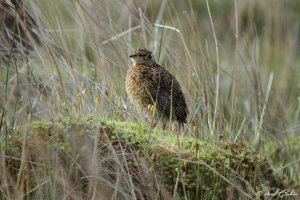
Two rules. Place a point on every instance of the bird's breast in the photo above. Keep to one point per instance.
(140, 84)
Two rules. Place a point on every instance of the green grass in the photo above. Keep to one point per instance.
(241, 83)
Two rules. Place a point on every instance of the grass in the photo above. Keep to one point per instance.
(237, 63)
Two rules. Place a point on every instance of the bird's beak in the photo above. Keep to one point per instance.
(132, 55)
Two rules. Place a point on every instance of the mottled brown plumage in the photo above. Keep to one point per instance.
(150, 85)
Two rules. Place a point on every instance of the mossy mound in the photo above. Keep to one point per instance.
(89, 157)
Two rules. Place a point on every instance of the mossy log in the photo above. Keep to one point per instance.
(89, 157)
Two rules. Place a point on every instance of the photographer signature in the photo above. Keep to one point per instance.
(277, 192)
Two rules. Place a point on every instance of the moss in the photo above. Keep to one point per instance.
(200, 168)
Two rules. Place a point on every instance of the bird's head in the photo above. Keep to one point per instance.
(142, 56)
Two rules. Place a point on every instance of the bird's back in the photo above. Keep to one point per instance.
(156, 86)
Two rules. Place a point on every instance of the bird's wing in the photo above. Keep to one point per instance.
(170, 95)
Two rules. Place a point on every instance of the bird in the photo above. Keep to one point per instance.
(155, 91)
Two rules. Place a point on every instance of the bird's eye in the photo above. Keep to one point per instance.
(148, 57)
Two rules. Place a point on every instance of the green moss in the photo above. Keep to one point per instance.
(200, 168)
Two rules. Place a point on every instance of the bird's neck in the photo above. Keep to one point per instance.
(147, 64)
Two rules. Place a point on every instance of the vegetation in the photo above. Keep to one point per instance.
(69, 131)
(83, 149)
